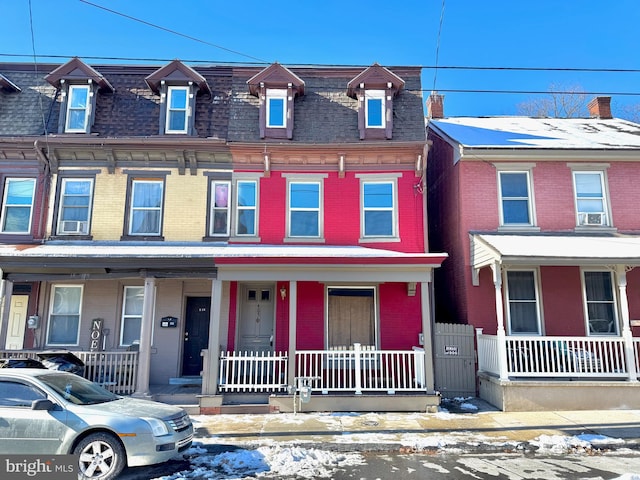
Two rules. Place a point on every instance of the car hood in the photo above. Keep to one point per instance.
(133, 407)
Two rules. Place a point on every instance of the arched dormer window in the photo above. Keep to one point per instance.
(276, 87)
(178, 86)
(78, 84)
(375, 88)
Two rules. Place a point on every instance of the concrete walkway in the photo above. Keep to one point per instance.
(472, 425)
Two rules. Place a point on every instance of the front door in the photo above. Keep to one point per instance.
(196, 334)
(255, 328)
(17, 322)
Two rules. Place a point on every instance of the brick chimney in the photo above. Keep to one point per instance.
(435, 106)
(600, 107)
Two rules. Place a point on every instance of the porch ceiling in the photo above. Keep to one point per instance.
(559, 250)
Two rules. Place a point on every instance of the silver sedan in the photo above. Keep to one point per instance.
(52, 412)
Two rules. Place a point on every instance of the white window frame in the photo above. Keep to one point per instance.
(508, 301)
(54, 287)
(243, 208)
(214, 208)
(586, 302)
(529, 198)
(87, 109)
(126, 316)
(133, 208)
(306, 179)
(6, 206)
(186, 110)
(379, 179)
(62, 207)
(276, 94)
(375, 95)
(580, 216)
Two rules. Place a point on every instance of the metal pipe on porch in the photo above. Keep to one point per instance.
(146, 329)
(293, 320)
(500, 334)
(627, 336)
(211, 364)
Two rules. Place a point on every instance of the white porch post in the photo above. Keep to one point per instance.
(627, 336)
(211, 365)
(501, 334)
(425, 299)
(293, 320)
(146, 329)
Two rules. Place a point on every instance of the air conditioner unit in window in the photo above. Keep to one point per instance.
(73, 226)
(592, 218)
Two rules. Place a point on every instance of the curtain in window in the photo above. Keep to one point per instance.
(147, 200)
(64, 320)
(523, 307)
(132, 317)
(600, 302)
(75, 201)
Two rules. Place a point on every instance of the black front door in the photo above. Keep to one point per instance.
(196, 334)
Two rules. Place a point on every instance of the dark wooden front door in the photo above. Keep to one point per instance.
(196, 334)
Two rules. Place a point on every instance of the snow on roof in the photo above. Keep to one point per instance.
(544, 133)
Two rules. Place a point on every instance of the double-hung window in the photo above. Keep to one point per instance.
(374, 108)
(378, 209)
(78, 108)
(75, 206)
(17, 205)
(64, 316)
(131, 315)
(220, 208)
(522, 301)
(305, 209)
(515, 198)
(246, 207)
(276, 108)
(177, 110)
(146, 207)
(591, 205)
(600, 303)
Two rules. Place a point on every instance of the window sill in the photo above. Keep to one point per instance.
(142, 238)
(222, 238)
(71, 237)
(379, 240)
(518, 228)
(303, 240)
(247, 239)
(595, 229)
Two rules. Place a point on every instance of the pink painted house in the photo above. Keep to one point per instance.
(539, 219)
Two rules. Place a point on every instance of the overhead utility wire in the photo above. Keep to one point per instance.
(170, 31)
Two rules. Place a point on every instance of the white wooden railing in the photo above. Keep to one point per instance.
(575, 357)
(253, 371)
(116, 371)
(359, 370)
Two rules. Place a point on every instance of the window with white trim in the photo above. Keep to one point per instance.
(220, 208)
(304, 209)
(276, 108)
(75, 206)
(78, 105)
(64, 315)
(600, 303)
(379, 209)
(515, 198)
(523, 312)
(145, 216)
(374, 108)
(131, 322)
(246, 207)
(177, 110)
(591, 202)
(17, 205)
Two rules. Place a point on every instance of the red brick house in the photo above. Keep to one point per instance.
(538, 217)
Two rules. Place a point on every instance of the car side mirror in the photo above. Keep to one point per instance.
(42, 404)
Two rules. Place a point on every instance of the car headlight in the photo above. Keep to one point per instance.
(158, 427)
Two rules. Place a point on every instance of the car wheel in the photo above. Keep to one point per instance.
(101, 456)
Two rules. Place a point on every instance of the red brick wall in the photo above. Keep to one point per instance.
(400, 317)
(562, 317)
(310, 327)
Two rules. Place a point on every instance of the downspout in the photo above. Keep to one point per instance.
(44, 159)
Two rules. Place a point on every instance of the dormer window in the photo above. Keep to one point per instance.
(276, 88)
(78, 84)
(178, 85)
(375, 89)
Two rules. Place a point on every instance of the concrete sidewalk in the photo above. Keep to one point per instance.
(476, 426)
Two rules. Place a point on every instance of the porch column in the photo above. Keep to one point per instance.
(144, 351)
(627, 336)
(211, 365)
(427, 331)
(5, 285)
(293, 320)
(501, 334)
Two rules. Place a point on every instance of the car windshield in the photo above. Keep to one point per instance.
(76, 389)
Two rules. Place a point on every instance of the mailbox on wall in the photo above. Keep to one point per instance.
(168, 322)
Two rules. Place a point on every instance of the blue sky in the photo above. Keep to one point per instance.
(490, 33)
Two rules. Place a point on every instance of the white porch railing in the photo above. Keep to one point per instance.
(362, 370)
(253, 371)
(575, 357)
(116, 371)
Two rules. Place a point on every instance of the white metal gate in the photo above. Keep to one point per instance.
(455, 360)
